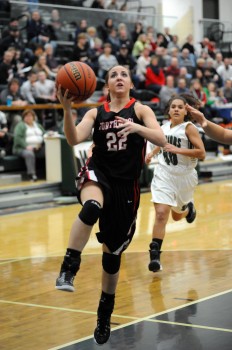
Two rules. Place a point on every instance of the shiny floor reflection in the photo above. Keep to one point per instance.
(200, 326)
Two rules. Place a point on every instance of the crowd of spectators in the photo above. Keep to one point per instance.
(157, 61)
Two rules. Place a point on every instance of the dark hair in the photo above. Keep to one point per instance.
(187, 99)
(107, 77)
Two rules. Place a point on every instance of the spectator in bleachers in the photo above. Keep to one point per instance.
(138, 29)
(27, 88)
(112, 5)
(227, 90)
(218, 61)
(14, 39)
(6, 140)
(12, 92)
(124, 58)
(160, 40)
(173, 69)
(215, 98)
(211, 95)
(173, 44)
(105, 29)
(189, 45)
(151, 41)
(142, 62)
(19, 63)
(45, 90)
(208, 46)
(200, 76)
(160, 52)
(106, 60)
(225, 70)
(51, 60)
(94, 54)
(80, 52)
(197, 91)
(124, 38)
(182, 86)
(29, 142)
(166, 92)
(124, 7)
(139, 45)
(184, 74)
(55, 26)
(211, 74)
(41, 65)
(37, 30)
(98, 4)
(167, 37)
(92, 35)
(81, 28)
(6, 67)
(187, 60)
(114, 41)
(155, 77)
(6, 30)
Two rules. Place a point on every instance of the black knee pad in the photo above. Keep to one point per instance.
(90, 212)
(111, 263)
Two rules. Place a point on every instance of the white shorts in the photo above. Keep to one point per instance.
(174, 190)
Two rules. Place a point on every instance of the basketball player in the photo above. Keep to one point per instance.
(214, 131)
(175, 177)
(108, 185)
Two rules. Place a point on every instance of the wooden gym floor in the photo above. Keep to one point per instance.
(186, 306)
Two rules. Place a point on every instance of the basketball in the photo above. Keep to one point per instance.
(78, 78)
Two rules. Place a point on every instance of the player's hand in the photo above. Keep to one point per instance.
(196, 115)
(148, 158)
(171, 148)
(127, 127)
(63, 98)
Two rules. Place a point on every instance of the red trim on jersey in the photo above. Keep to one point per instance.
(136, 194)
(107, 104)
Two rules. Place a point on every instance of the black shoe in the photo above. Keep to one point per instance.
(154, 264)
(191, 214)
(102, 331)
(65, 281)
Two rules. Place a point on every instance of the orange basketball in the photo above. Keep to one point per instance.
(78, 78)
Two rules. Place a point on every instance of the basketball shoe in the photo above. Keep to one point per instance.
(102, 331)
(192, 213)
(65, 281)
(154, 264)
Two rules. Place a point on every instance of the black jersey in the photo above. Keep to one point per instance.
(117, 157)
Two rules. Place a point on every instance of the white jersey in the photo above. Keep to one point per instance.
(176, 163)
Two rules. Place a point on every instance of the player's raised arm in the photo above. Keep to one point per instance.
(214, 131)
(79, 133)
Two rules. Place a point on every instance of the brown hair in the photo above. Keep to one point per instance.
(27, 111)
(107, 77)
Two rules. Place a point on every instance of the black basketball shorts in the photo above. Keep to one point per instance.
(117, 221)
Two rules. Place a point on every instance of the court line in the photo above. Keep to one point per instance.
(13, 259)
(192, 325)
(157, 321)
(135, 319)
(60, 308)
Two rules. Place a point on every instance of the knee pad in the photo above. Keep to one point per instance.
(90, 212)
(111, 263)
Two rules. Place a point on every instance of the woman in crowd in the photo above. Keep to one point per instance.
(29, 142)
